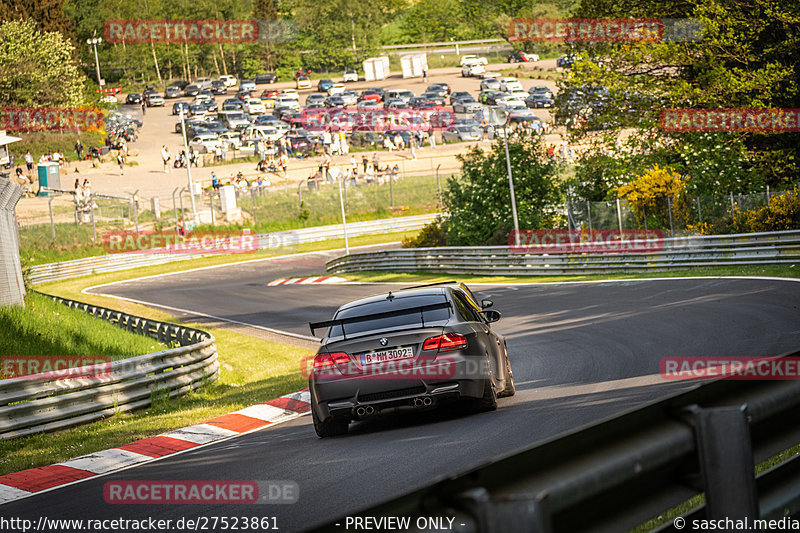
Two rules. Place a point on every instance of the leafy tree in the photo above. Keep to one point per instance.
(431, 21)
(747, 56)
(47, 14)
(37, 68)
(479, 202)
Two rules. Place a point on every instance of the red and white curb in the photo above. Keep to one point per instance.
(311, 279)
(25, 483)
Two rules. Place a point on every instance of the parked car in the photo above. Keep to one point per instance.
(247, 85)
(181, 84)
(215, 127)
(177, 106)
(207, 142)
(323, 84)
(303, 82)
(469, 70)
(459, 95)
(234, 120)
(233, 104)
(267, 77)
(230, 81)
(439, 333)
(315, 98)
(522, 57)
(254, 106)
(509, 84)
(232, 138)
(467, 106)
(173, 91)
(191, 90)
(462, 133)
(537, 100)
(349, 75)
(133, 98)
(155, 100)
(403, 94)
(471, 58)
(219, 87)
(336, 88)
(541, 89)
(490, 84)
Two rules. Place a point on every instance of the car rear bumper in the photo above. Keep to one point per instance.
(358, 397)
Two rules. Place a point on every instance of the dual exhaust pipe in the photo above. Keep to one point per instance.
(368, 410)
(423, 402)
(364, 412)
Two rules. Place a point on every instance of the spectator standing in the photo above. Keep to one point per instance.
(365, 162)
(165, 157)
(29, 162)
(214, 181)
(375, 162)
(425, 74)
(79, 149)
(326, 141)
(121, 162)
(144, 107)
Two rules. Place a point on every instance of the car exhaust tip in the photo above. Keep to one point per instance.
(361, 411)
(369, 410)
(417, 402)
(427, 401)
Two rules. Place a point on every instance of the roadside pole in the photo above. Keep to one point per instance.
(188, 167)
(344, 220)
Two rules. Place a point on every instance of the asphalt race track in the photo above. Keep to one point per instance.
(580, 352)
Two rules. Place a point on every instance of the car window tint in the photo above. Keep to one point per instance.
(436, 316)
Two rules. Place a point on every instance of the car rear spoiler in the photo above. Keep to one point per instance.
(351, 320)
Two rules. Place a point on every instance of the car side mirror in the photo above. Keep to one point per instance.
(491, 315)
(486, 304)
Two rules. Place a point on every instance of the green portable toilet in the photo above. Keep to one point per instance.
(48, 176)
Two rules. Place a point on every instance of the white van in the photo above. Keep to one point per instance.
(203, 83)
(472, 58)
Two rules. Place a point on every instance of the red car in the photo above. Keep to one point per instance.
(370, 94)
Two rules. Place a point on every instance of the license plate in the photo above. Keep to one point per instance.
(385, 356)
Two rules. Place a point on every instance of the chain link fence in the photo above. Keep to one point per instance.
(676, 215)
(12, 286)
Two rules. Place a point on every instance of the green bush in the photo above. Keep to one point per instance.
(432, 235)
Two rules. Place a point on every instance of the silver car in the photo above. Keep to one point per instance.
(462, 134)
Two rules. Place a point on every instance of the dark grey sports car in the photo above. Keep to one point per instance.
(409, 349)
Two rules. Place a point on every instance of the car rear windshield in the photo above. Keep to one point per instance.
(408, 320)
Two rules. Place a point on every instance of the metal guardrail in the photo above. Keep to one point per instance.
(47, 402)
(124, 261)
(621, 472)
(782, 247)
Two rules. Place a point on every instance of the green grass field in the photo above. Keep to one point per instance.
(45, 327)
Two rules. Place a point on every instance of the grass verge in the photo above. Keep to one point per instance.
(45, 327)
(252, 371)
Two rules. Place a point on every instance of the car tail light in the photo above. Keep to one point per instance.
(445, 343)
(324, 362)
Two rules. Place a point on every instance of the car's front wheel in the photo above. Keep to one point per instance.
(329, 428)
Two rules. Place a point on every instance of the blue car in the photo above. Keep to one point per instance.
(176, 108)
(324, 85)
